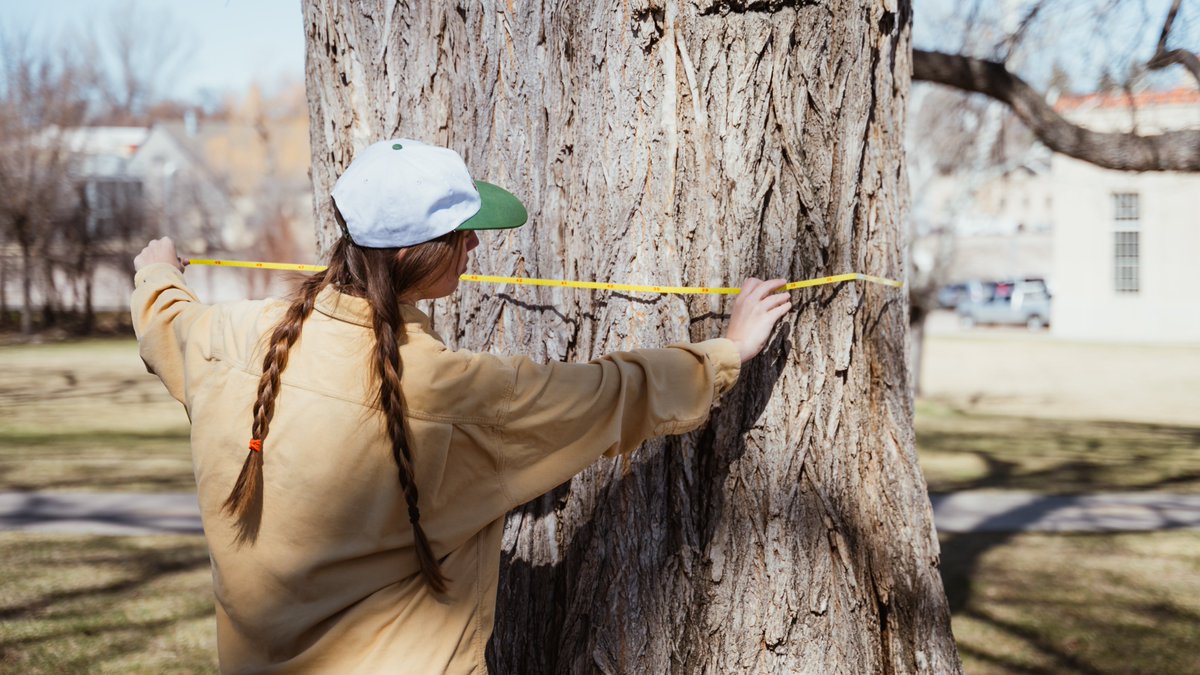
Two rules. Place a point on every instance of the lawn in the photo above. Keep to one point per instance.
(87, 416)
(961, 451)
(1086, 603)
(1029, 603)
(89, 604)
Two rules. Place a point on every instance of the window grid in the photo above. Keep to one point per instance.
(1126, 207)
(1126, 242)
(1127, 262)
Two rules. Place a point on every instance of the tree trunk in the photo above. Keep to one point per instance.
(26, 288)
(3, 283)
(88, 324)
(916, 347)
(682, 143)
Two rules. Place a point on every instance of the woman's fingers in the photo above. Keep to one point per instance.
(776, 312)
(766, 288)
(775, 299)
(158, 250)
(755, 312)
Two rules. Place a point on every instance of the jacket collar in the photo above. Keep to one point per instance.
(354, 310)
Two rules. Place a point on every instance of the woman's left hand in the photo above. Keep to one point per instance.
(159, 250)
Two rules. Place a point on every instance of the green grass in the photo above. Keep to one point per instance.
(87, 416)
(88, 604)
(1029, 603)
(1041, 603)
(960, 451)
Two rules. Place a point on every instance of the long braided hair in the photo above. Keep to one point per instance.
(382, 277)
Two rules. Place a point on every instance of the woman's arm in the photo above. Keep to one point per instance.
(167, 316)
(562, 417)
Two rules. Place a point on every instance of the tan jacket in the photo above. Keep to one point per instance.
(332, 583)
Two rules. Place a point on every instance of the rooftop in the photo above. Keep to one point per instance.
(1181, 96)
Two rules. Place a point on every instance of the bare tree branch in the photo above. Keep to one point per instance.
(1010, 42)
(1164, 57)
(1170, 151)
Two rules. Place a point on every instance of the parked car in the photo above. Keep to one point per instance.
(951, 296)
(1012, 303)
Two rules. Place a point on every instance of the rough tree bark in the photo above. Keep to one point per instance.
(682, 143)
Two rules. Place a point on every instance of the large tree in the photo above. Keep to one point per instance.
(682, 143)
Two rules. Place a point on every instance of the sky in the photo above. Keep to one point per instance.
(1086, 38)
(234, 42)
(239, 42)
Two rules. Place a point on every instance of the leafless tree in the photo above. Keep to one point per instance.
(950, 136)
(43, 93)
(992, 35)
(51, 88)
(105, 224)
(139, 49)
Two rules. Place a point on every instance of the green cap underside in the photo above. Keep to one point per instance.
(499, 210)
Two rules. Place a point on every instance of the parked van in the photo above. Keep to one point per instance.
(1024, 302)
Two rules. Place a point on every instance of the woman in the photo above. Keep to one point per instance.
(362, 530)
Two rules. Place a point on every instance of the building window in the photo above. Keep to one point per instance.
(114, 206)
(1127, 227)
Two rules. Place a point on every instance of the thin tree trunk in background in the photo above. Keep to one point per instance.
(52, 302)
(4, 262)
(88, 326)
(26, 290)
(682, 143)
(916, 348)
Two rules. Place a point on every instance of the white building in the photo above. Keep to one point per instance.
(1126, 244)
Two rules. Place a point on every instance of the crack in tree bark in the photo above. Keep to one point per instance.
(723, 7)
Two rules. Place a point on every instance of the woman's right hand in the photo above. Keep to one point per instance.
(755, 312)
(159, 250)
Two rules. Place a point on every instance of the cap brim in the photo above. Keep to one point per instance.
(499, 210)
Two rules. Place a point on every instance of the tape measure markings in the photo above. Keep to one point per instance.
(562, 283)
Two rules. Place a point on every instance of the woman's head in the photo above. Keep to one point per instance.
(400, 193)
(425, 271)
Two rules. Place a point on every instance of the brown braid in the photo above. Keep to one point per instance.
(245, 501)
(381, 276)
(389, 333)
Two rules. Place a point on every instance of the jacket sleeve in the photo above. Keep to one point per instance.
(170, 323)
(562, 417)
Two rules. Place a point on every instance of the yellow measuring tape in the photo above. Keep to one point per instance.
(562, 283)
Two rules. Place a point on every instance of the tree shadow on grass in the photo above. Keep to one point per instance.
(961, 563)
(1144, 638)
(94, 617)
(1071, 456)
(139, 567)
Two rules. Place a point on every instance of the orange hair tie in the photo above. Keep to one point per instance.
(256, 445)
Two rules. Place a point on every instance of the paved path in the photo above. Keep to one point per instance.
(177, 513)
(983, 511)
(100, 512)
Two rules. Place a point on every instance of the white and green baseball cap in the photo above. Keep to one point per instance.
(403, 192)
